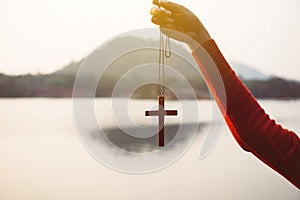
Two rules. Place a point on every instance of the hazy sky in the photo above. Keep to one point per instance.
(42, 36)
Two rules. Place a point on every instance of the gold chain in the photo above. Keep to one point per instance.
(164, 52)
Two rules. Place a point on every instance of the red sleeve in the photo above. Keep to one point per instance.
(253, 129)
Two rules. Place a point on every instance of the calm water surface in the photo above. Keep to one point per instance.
(42, 158)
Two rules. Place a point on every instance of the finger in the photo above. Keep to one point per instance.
(173, 7)
(156, 20)
(155, 2)
(159, 12)
(162, 21)
(165, 28)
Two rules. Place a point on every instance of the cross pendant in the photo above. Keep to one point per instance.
(161, 112)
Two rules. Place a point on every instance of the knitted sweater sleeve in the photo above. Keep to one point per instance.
(252, 128)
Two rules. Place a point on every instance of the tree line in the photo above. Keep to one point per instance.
(61, 85)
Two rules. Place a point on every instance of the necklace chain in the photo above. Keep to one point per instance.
(164, 52)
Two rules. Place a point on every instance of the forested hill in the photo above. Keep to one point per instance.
(60, 83)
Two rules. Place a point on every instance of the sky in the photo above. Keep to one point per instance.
(41, 36)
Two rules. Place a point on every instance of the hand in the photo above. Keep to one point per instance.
(179, 23)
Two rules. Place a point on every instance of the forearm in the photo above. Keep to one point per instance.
(249, 124)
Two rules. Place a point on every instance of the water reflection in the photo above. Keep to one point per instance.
(124, 141)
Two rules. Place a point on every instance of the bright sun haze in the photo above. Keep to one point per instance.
(43, 36)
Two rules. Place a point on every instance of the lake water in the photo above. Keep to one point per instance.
(43, 158)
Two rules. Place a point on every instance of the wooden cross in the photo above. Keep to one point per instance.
(161, 112)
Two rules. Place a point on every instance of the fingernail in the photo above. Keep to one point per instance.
(153, 10)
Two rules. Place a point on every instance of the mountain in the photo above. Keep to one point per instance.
(244, 71)
(248, 73)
